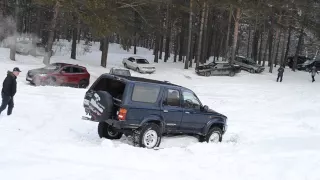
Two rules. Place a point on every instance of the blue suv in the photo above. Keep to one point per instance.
(147, 109)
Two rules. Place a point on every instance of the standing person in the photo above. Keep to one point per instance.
(313, 73)
(9, 89)
(280, 73)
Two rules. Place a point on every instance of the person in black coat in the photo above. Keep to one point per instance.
(280, 73)
(9, 89)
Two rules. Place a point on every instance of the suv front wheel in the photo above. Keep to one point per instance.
(150, 136)
(214, 136)
(107, 131)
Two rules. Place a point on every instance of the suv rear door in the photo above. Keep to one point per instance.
(171, 109)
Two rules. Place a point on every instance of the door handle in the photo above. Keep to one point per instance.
(165, 111)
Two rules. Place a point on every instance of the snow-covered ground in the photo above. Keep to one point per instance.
(273, 129)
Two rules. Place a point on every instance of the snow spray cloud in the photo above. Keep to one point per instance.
(7, 31)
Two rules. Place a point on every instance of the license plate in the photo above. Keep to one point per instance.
(29, 78)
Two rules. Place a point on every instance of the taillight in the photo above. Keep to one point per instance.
(122, 114)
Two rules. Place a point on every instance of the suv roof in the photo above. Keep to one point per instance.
(139, 79)
(66, 64)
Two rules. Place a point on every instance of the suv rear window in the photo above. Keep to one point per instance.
(145, 94)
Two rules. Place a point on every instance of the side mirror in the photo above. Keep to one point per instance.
(205, 108)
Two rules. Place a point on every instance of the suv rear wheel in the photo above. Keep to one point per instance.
(107, 131)
(150, 136)
(83, 84)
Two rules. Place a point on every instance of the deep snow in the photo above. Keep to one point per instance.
(273, 129)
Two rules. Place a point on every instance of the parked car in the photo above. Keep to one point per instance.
(147, 109)
(138, 64)
(306, 66)
(218, 69)
(120, 71)
(301, 60)
(248, 64)
(60, 74)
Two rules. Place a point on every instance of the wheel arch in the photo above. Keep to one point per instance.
(153, 119)
(218, 122)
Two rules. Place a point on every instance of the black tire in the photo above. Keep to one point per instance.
(208, 73)
(149, 129)
(108, 132)
(104, 99)
(251, 71)
(215, 130)
(83, 84)
(232, 73)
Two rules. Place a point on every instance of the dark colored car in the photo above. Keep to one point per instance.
(301, 60)
(248, 64)
(147, 109)
(119, 71)
(306, 66)
(218, 69)
(60, 74)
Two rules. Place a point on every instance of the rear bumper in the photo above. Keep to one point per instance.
(120, 125)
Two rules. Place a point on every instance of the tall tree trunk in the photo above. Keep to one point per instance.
(176, 47)
(275, 46)
(201, 34)
(13, 38)
(161, 47)
(181, 44)
(266, 50)
(235, 34)
(46, 59)
(248, 45)
(260, 48)
(276, 61)
(135, 32)
(283, 50)
(156, 48)
(205, 37)
(74, 39)
(226, 50)
(298, 50)
(270, 39)
(189, 55)
(104, 54)
(168, 33)
(74, 43)
(288, 46)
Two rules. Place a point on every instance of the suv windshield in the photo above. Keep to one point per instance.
(121, 72)
(142, 61)
(251, 61)
(53, 66)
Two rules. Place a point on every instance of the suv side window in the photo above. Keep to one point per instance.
(131, 59)
(172, 98)
(77, 70)
(145, 94)
(67, 69)
(190, 101)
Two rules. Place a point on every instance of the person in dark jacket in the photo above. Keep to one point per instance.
(313, 73)
(9, 89)
(280, 73)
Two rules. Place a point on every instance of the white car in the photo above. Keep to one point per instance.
(138, 64)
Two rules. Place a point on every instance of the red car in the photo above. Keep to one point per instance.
(60, 74)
